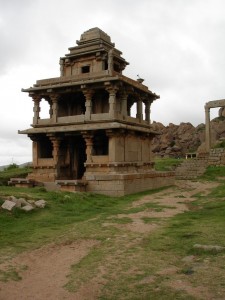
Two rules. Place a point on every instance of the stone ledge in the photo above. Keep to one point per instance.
(119, 164)
(108, 177)
(72, 182)
(21, 182)
(72, 185)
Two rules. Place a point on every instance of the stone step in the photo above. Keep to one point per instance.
(191, 169)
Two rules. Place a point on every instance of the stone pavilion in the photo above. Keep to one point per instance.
(91, 141)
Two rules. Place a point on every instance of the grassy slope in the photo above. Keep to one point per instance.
(13, 171)
(80, 216)
(167, 164)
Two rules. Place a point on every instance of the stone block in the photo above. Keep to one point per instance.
(12, 198)
(19, 202)
(27, 208)
(22, 201)
(8, 205)
(40, 203)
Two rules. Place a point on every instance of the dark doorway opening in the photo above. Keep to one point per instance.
(100, 143)
(76, 157)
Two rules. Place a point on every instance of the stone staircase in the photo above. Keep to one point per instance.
(191, 168)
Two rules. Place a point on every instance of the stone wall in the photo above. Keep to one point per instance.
(43, 174)
(124, 184)
(217, 157)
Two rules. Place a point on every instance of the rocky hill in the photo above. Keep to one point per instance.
(177, 140)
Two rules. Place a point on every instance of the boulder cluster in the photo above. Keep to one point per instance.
(177, 140)
(12, 202)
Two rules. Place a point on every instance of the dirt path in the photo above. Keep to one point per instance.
(44, 271)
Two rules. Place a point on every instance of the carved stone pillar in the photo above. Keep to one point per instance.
(54, 98)
(207, 129)
(116, 145)
(112, 100)
(147, 111)
(88, 93)
(54, 109)
(88, 137)
(55, 153)
(124, 103)
(36, 109)
(34, 139)
(110, 61)
(61, 63)
(50, 108)
(139, 114)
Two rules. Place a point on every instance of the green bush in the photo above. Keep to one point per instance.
(11, 167)
(220, 145)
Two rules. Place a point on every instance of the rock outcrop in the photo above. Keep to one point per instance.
(177, 140)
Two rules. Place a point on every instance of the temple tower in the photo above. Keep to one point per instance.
(90, 137)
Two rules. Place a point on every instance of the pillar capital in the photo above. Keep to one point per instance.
(33, 137)
(54, 97)
(35, 97)
(111, 89)
(88, 93)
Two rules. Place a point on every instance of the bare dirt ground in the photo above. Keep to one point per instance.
(44, 271)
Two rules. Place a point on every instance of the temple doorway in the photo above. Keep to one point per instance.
(77, 157)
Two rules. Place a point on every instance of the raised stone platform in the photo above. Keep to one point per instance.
(124, 184)
(21, 182)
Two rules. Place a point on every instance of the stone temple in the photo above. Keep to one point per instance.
(90, 140)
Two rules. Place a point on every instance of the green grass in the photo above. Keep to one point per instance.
(21, 230)
(167, 164)
(127, 263)
(213, 172)
(13, 171)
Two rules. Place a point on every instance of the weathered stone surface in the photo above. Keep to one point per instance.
(19, 202)
(31, 202)
(188, 259)
(11, 198)
(40, 203)
(177, 140)
(8, 205)
(23, 201)
(209, 247)
(27, 208)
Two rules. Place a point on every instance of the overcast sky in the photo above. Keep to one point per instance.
(177, 46)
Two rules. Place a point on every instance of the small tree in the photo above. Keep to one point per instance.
(11, 167)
